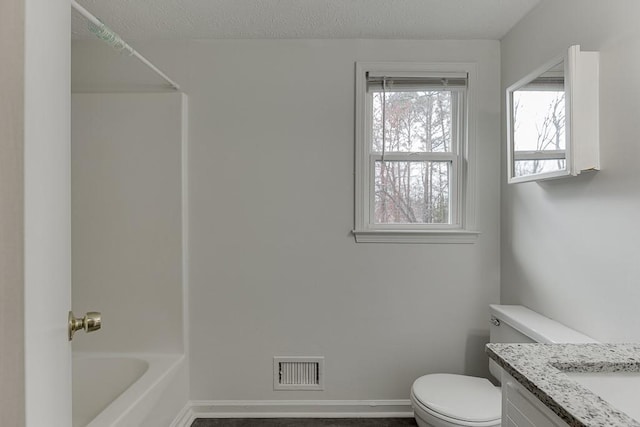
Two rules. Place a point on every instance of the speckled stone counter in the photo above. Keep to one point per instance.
(540, 369)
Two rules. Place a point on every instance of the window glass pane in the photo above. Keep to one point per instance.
(529, 167)
(412, 192)
(415, 122)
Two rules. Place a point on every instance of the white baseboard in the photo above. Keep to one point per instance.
(184, 418)
(292, 409)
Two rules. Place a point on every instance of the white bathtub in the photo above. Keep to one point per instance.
(112, 389)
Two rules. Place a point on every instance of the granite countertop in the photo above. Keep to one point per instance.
(541, 368)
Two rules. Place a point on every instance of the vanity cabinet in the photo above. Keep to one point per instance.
(520, 408)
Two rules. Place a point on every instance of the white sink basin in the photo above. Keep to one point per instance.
(620, 389)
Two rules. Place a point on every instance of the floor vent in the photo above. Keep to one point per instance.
(298, 373)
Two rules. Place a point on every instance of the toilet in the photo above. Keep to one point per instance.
(451, 400)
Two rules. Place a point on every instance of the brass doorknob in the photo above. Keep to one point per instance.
(92, 321)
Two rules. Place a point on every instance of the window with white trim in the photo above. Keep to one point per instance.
(412, 148)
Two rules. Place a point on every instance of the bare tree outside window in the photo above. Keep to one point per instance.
(544, 114)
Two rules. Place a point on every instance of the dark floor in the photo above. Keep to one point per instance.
(305, 422)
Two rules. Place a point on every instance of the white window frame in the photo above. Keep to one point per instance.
(461, 228)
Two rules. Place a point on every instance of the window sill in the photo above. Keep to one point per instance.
(416, 236)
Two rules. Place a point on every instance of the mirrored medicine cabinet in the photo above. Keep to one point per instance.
(552, 119)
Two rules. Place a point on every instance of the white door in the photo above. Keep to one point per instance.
(47, 213)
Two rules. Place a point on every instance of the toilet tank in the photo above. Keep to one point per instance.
(518, 324)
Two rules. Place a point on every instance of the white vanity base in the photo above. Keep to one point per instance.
(520, 408)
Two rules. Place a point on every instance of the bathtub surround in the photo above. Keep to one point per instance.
(128, 151)
(126, 219)
(542, 370)
(570, 247)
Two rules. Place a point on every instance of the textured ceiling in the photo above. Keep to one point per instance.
(240, 19)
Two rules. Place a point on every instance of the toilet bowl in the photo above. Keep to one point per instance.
(449, 400)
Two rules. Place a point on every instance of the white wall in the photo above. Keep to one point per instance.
(126, 220)
(274, 269)
(570, 247)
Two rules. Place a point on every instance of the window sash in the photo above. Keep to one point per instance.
(436, 156)
(457, 125)
(454, 191)
(540, 155)
(455, 184)
(457, 105)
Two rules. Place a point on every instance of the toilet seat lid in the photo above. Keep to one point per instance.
(460, 397)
